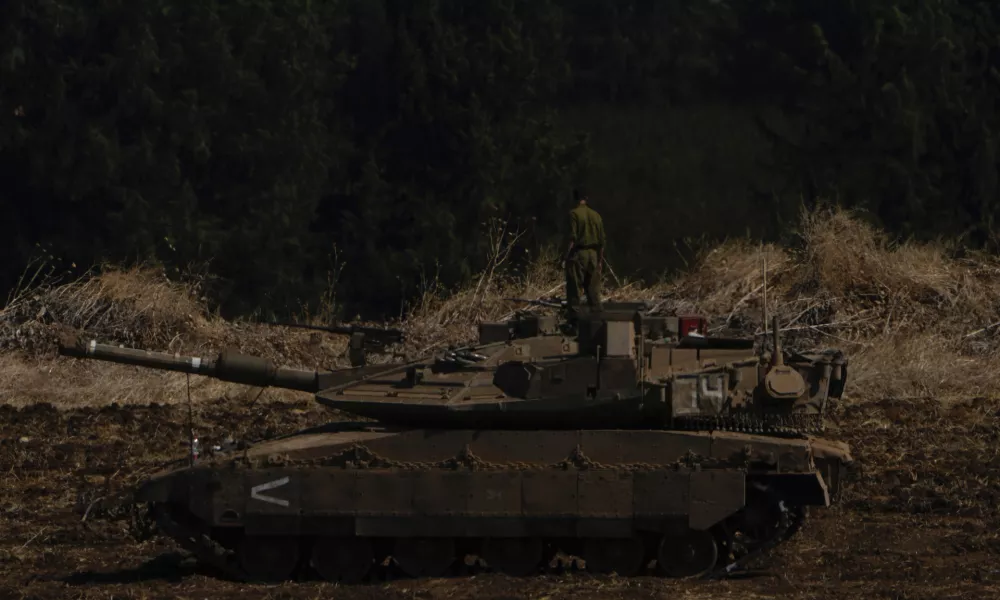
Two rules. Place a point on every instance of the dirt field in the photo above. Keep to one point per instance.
(891, 537)
(919, 518)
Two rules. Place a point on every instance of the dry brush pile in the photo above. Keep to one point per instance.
(919, 320)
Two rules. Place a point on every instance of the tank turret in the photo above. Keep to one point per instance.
(623, 368)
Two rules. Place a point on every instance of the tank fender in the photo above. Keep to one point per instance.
(802, 489)
(165, 486)
(830, 450)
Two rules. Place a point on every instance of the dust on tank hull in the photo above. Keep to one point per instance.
(689, 503)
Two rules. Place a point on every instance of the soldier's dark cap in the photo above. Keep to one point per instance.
(580, 194)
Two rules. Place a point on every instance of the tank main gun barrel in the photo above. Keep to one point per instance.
(227, 366)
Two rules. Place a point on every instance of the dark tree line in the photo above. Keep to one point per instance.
(276, 142)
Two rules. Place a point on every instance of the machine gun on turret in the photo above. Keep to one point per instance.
(363, 339)
(553, 302)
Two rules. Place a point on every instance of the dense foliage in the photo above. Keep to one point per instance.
(287, 146)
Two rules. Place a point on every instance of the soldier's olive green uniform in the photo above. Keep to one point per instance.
(586, 230)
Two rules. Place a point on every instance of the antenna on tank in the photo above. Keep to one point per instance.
(763, 274)
(193, 445)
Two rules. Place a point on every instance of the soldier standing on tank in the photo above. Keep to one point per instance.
(584, 256)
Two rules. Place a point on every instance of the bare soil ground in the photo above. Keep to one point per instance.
(919, 518)
(891, 536)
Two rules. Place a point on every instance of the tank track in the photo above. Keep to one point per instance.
(224, 560)
(210, 553)
(778, 425)
(790, 521)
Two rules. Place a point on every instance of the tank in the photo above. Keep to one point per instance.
(636, 443)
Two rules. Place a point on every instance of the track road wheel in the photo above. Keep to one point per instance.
(342, 559)
(690, 554)
(624, 556)
(268, 558)
(513, 556)
(424, 557)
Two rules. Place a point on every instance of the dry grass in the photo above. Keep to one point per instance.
(137, 307)
(917, 319)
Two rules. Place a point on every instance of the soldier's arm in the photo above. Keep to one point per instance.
(603, 239)
(574, 228)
